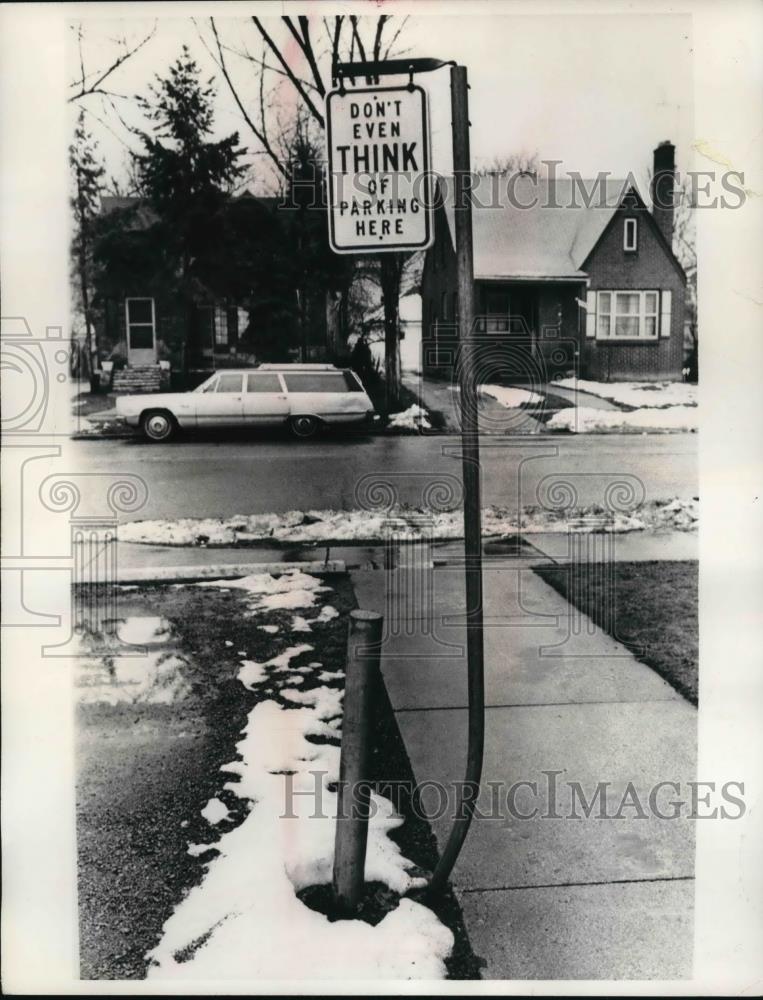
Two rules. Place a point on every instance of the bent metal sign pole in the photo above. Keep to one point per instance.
(378, 152)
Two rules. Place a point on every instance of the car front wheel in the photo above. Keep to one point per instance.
(158, 425)
(304, 427)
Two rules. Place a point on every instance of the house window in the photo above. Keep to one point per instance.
(140, 324)
(219, 325)
(630, 315)
(630, 235)
(220, 321)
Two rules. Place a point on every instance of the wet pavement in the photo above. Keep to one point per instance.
(222, 478)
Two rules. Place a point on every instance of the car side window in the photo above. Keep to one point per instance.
(263, 382)
(210, 386)
(316, 382)
(230, 383)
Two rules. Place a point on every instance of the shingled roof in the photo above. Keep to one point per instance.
(550, 239)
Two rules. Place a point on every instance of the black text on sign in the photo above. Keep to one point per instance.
(380, 183)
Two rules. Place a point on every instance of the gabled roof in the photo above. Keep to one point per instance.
(525, 227)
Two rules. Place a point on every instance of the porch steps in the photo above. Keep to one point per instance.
(140, 379)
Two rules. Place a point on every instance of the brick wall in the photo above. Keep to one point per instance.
(649, 267)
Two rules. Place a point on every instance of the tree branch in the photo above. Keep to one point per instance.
(307, 48)
(289, 72)
(95, 87)
(260, 133)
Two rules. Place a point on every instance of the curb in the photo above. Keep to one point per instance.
(172, 574)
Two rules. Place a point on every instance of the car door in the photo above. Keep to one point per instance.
(265, 401)
(220, 404)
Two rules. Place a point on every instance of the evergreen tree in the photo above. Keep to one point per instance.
(87, 183)
(186, 177)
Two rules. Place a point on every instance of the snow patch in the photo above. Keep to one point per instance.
(244, 917)
(510, 396)
(637, 394)
(215, 811)
(585, 420)
(294, 589)
(415, 418)
(253, 673)
(270, 629)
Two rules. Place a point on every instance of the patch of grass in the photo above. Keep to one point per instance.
(655, 613)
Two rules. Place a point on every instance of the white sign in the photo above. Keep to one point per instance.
(380, 183)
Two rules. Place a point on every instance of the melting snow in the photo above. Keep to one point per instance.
(252, 673)
(585, 420)
(294, 589)
(298, 590)
(638, 394)
(245, 921)
(215, 811)
(510, 396)
(412, 419)
(271, 629)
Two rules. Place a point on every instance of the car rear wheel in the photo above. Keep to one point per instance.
(304, 427)
(158, 425)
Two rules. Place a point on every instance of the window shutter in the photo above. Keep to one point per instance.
(590, 316)
(666, 300)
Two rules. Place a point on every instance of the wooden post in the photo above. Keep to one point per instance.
(470, 456)
(362, 678)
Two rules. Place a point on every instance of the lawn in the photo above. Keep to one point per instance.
(655, 613)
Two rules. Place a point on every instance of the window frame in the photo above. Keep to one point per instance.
(630, 245)
(611, 314)
(318, 376)
(129, 325)
(223, 375)
(261, 375)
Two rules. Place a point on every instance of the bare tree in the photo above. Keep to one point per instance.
(98, 81)
(515, 163)
(307, 70)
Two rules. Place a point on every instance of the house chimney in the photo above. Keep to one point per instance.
(663, 188)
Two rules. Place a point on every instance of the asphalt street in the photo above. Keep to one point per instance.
(219, 477)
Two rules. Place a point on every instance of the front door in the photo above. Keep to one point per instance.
(220, 404)
(140, 318)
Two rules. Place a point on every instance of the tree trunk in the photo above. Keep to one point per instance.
(391, 273)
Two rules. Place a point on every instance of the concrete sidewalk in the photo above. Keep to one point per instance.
(547, 897)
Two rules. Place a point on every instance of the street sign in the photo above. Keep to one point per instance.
(380, 184)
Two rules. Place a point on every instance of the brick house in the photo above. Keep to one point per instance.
(570, 276)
